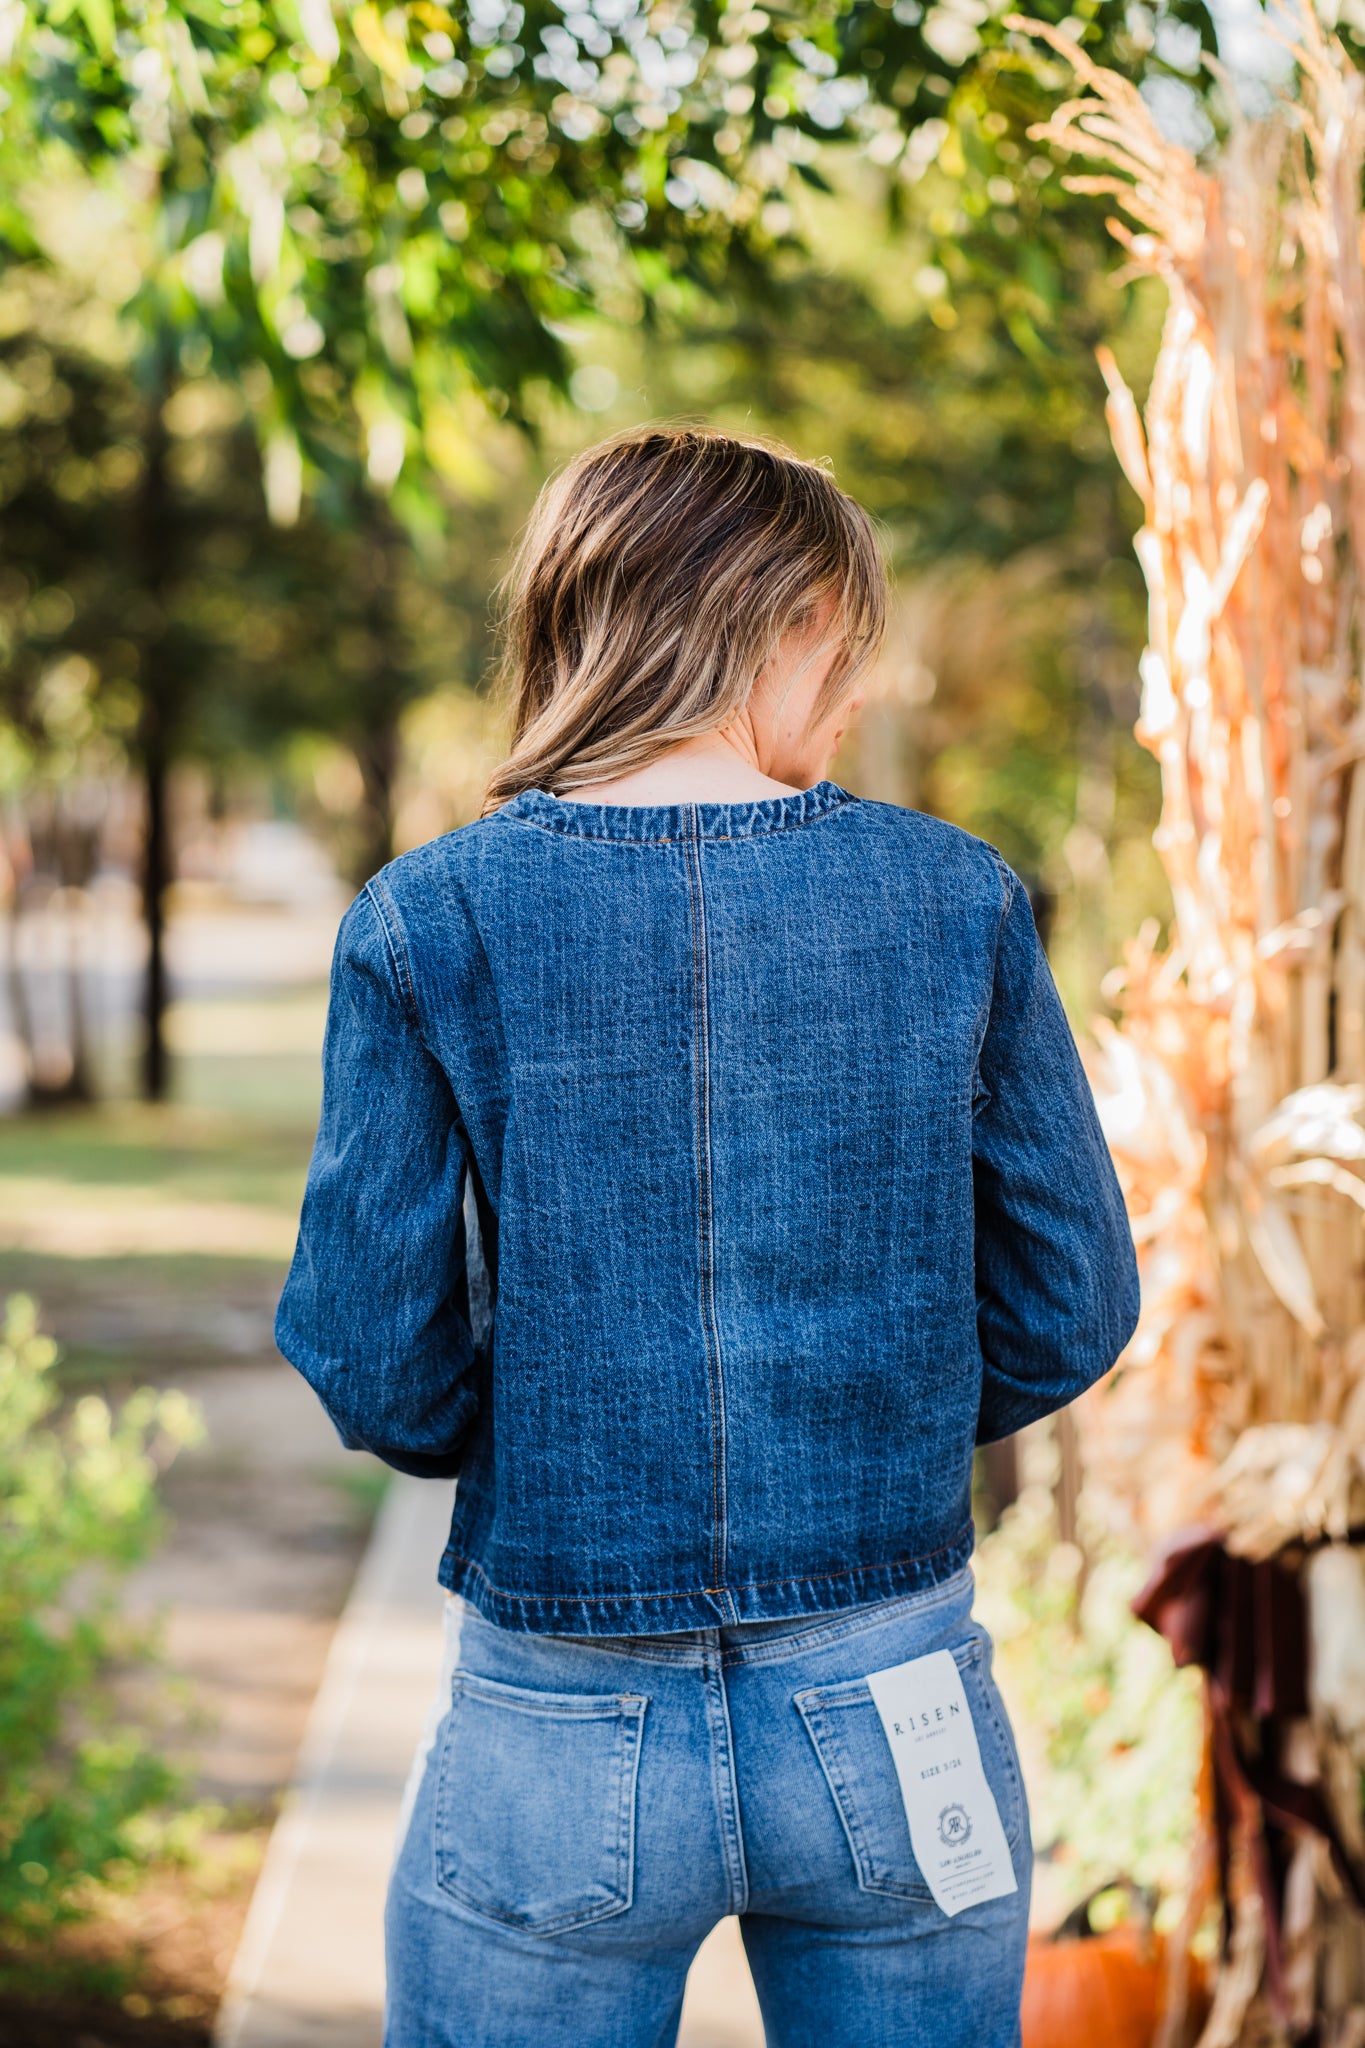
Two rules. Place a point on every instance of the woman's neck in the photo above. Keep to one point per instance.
(718, 768)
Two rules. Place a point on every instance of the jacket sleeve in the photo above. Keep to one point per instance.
(375, 1312)
(1056, 1275)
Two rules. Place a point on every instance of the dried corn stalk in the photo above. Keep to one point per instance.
(1233, 1086)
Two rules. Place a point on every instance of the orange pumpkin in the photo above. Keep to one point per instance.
(1101, 1991)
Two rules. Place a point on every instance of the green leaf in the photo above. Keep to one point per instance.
(98, 16)
(810, 176)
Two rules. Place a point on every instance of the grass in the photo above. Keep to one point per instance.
(121, 1320)
(143, 1301)
(205, 1152)
(363, 1487)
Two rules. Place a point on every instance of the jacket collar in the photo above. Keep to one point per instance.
(663, 823)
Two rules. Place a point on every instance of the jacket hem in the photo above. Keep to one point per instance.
(704, 1607)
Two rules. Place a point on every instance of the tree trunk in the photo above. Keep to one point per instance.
(156, 877)
(377, 743)
(155, 542)
(76, 842)
(377, 751)
(1000, 1472)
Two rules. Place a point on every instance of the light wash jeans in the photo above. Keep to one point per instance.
(590, 1807)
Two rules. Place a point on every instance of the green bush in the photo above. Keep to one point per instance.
(79, 1787)
(1111, 1731)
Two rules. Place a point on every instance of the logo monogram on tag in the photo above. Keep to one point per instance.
(954, 1826)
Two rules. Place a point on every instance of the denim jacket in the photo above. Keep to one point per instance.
(785, 1184)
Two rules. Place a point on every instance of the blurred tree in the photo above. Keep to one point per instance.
(937, 343)
(375, 224)
(57, 404)
(270, 623)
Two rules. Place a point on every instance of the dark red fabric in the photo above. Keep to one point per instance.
(1245, 1624)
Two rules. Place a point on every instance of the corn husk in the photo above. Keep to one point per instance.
(1232, 1085)
(1232, 1088)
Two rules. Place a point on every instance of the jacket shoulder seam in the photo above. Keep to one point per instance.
(1008, 885)
(394, 942)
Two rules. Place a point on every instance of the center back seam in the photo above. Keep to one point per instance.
(701, 1010)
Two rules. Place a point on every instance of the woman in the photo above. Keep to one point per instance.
(786, 1190)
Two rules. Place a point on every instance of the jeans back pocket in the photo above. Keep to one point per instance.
(535, 1804)
(846, 1730)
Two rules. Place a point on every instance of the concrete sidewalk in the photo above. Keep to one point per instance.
(309, 1972)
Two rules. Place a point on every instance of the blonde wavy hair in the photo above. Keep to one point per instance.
(658, 574)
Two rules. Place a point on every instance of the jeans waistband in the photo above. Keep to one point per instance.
(764, 1641)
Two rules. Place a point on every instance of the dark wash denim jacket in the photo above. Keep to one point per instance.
(789, 1190)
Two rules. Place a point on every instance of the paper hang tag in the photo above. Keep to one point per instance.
(955, 1827)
